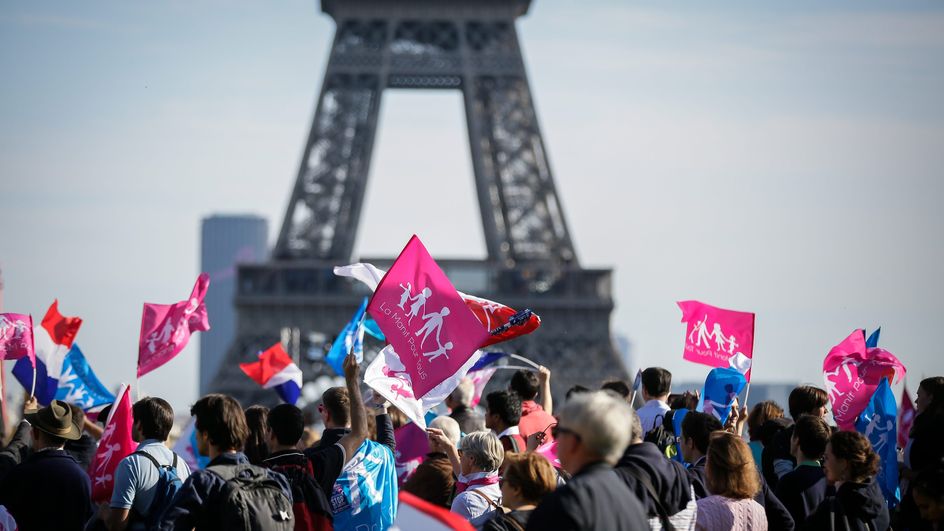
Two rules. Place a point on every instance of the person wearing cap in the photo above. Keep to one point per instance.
(49, 490)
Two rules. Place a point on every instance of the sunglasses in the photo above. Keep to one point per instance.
(557, 429)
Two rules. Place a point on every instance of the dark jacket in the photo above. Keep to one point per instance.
(801, 492)
(384, 434)
(18, 450)
(778, 517)
(861, 505)
(668, 478)
(307, 485)
(595, 498)
(195, 505)
(48, 491)
(433, 480)
(507, 521)
(83, 449)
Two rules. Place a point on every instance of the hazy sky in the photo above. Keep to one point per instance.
(777, 157)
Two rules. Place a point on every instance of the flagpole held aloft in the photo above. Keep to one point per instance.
(524, 359)
(33, 339)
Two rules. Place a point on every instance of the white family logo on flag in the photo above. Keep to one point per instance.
(76, 392)
(433, 322)
(833, 379)
(877, 432)
(723, 342)
(12, 329)
(172, 332)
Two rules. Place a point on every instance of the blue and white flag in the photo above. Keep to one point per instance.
(878, 423)
(722, 386)
(350, 339)
(365, 494)
(76, 382)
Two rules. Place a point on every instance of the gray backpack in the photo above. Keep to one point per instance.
(252, 501)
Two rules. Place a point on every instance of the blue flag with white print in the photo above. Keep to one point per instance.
(351, 339)
(76, 384)
(878, 422)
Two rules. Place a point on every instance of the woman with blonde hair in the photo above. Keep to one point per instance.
(733, 481)
(527, 478)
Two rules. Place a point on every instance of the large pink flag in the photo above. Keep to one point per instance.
(717, 337)
(425, 319)
(116, 444)
(852, 372)
(166, 328)
(16, 337)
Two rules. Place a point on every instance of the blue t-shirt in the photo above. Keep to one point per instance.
(364, 497)
(136, 476)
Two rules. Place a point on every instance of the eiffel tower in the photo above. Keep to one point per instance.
(466, 45)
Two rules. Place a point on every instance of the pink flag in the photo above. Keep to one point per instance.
(388, 376)
(717, 337)
(412, 447)
(424, 318)
(548, 451)
(852, 372)
(116, 444)
(906, 415)
(166, 328)
(480, 379)
(16, 337)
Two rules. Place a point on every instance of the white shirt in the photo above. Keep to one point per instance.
(473, 507)
(651, 413)
(513, 430)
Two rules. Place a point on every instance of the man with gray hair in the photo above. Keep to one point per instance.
(593, 431)
(459, 403)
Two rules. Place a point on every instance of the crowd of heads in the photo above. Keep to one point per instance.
(590, 428)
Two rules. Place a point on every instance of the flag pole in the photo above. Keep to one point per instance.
(747, 392)
(524, 359)
(514, 367)
(33, 340)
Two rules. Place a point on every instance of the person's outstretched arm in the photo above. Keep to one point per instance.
(352, 441)
(547, 401)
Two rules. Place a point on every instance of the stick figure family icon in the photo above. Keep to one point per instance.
(432, 322)
(700, 335)
(14, 334)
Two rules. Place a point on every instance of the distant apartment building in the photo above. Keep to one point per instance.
(225, 240)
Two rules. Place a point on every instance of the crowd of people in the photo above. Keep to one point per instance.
(519, 462)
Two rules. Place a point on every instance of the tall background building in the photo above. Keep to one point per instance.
(225, 241)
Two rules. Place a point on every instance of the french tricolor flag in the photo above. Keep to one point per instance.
(276, 370)
(53, 340)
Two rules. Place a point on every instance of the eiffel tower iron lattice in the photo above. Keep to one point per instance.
(465, 45)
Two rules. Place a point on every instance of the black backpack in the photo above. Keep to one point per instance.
(309, 502)
(661, 436)
(252, 501)
(168, 483)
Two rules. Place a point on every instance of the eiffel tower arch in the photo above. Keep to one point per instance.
(465, 45)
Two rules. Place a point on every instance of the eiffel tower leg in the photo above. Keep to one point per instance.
(521, 211)
(322, 216)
